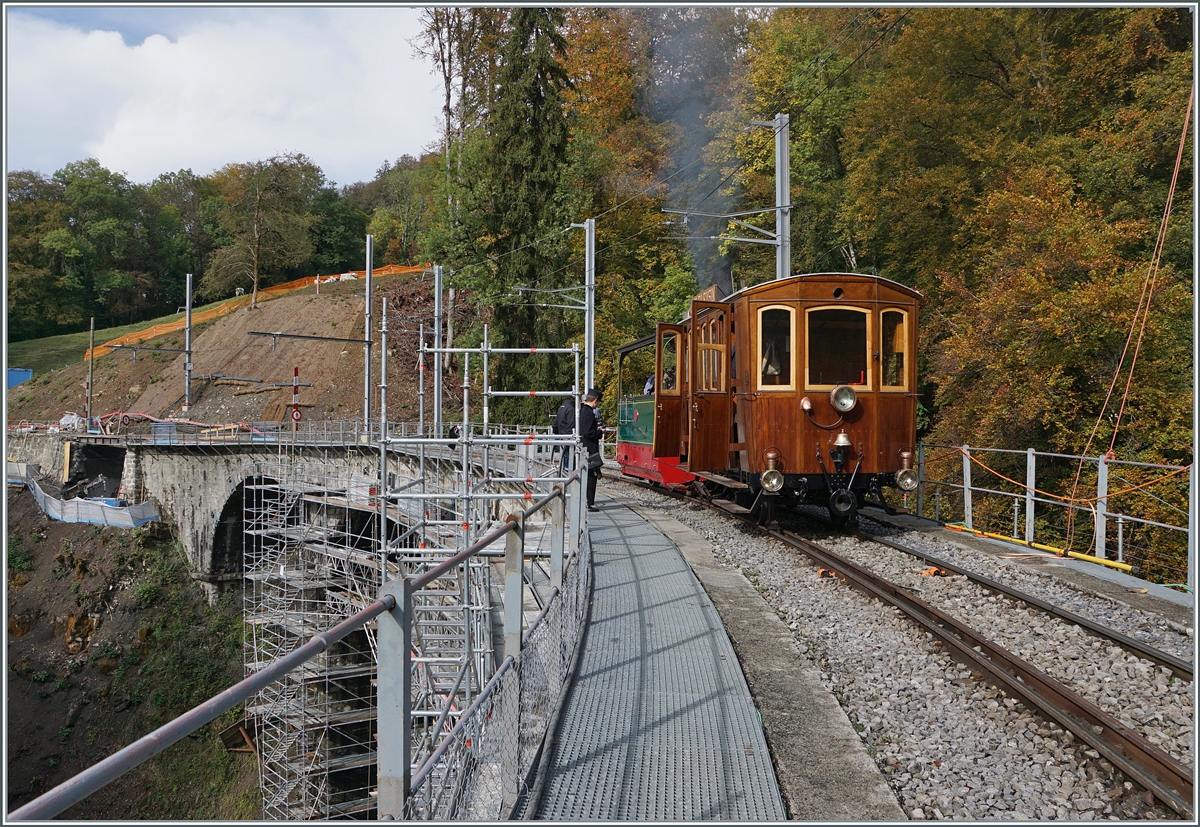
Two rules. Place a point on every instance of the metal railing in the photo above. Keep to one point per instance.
(1120, 512)
(393, 612)
(483, 768)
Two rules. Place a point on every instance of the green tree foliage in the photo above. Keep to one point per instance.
(338, 233)
(181, 196)
(400, 202)
(266, 214)
(1011, 163)
(88, 242)
(515, 202)
(40, 298)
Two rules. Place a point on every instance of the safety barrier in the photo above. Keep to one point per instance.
(1115, 512)
(546, 647)
(92, 511)
(485, 768)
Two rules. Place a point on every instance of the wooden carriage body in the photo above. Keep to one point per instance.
(746, 382)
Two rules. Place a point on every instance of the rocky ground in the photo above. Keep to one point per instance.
(951, 746)
(332, 371)
(108, 638)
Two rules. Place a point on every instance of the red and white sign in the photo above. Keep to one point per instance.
(296, 414)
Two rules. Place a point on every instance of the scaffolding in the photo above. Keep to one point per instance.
(322, 539)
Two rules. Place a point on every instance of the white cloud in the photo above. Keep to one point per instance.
(338, 84)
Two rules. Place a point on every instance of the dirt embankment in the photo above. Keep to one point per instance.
(108, 636)
(333, 371)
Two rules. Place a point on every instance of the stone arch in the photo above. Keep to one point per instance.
(229, 537)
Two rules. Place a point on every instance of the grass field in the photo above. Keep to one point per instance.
(57, 352)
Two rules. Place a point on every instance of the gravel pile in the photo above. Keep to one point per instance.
(951, 746)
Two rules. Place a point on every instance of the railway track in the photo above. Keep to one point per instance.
(1169, 780)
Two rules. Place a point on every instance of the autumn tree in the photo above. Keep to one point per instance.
(264, 211)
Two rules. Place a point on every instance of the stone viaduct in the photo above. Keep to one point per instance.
(200, 487)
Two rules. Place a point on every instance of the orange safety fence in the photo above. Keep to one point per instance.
(227, 307)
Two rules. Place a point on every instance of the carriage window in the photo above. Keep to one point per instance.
(837, 347)
(775, 348)
(670, 356)
(710, 350)
(893, 335)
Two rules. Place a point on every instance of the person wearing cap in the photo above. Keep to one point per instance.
(590, 430)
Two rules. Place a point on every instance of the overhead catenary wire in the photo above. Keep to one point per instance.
(1141, 315)
(836, 41)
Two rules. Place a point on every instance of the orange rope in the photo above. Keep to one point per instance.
(1080, 500)
(1142, 313)
(1156, 258)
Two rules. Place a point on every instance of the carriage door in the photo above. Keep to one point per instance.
(709, 415)
(667, 381)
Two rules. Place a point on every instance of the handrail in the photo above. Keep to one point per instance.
(79, 787)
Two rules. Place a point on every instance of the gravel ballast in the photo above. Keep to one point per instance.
(951, 746)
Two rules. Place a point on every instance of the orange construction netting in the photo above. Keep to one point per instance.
(227, 307)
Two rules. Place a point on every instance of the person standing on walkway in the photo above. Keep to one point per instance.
(591, 431)
(564, 425)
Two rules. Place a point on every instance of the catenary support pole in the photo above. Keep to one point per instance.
(383, 477)
(91, 363)
(1101, 506)
(783, 195)
(437, 356)
(590, 299)
(187, 347)
(367, 342)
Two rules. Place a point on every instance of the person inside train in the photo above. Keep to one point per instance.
(649, 386)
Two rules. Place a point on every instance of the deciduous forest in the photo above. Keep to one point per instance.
(1026, 169)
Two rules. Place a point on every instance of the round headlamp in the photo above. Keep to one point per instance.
(772, 480)
(843, 398)
(906, 479)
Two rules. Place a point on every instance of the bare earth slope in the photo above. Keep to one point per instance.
(153, 384)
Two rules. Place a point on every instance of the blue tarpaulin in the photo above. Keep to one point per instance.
(18, 375)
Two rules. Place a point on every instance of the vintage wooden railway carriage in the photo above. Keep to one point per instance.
(800, 389)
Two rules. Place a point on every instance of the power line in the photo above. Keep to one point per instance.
(814, 99)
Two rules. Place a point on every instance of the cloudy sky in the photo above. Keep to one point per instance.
(153, 90)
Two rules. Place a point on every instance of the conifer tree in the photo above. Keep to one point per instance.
(529, 142)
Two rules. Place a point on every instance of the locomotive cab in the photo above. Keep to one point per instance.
(801, 389)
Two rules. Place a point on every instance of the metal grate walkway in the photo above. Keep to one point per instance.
(660, 724)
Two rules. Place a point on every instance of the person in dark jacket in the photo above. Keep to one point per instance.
(590, 430)
(564, 424)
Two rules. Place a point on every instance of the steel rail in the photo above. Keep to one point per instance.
(1180, 667)
(1141, 761)
(1167, 778)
